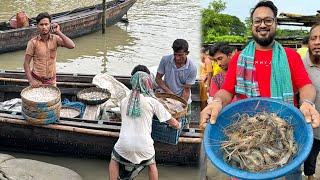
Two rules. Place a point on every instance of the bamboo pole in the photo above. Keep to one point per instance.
(58, 83)
(64, 128)
(203, 163)
(85, 130)
(103, 16)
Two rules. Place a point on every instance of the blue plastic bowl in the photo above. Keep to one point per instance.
(303, 135)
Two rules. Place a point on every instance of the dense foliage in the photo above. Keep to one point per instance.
(217, 26)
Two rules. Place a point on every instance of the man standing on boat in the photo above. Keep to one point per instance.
(178, 70)
(42, 49)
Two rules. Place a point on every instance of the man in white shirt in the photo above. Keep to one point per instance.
(134, 148)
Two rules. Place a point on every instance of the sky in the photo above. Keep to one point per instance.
(241, 8)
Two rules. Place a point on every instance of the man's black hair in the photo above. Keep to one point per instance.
(305, 40)
(42, 16)
(180, 44)
(314, 26)
(140, 68)
(222, 47)
(268, 4)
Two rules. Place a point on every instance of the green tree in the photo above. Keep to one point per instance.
(217, 6)
(217, 26)
(292, 33)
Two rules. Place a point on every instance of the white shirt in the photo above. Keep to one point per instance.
(135, 143)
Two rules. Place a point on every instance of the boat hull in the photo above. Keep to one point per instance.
(80, 137)
(72, 25)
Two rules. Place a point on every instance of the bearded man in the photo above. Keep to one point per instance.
(265, 69)
(312, 64)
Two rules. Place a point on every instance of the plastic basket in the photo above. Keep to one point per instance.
(162, 132)
(303, 135)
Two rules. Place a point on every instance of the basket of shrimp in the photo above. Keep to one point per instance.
(93, 95)
(41, 105)
(176, 106)
(258, 138)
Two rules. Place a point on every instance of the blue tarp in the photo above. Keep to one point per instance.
(78, 105)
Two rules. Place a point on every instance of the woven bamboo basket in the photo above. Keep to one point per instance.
(39, 107)
(33, 102)
(175, 97)
(37, 121)
(43, 114)
(69, 112)
(94, 101)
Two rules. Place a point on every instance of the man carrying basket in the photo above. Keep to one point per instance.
(134, 149)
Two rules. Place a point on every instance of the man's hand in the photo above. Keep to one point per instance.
(311, 114)
(55, 28)
(174, 123)
(35, 83)
(210, 112)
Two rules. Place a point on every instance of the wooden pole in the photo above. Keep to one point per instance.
(103, 16)
(58, 83)
(203, 163)
(18, 119)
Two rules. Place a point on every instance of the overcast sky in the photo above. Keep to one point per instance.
(241, 8)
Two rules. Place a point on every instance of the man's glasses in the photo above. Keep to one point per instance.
(268, 21)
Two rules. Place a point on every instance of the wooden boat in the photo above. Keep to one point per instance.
(291, 19)
(80, 137)
(74, 23)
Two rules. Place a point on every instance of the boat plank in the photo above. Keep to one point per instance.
(91, 112)
(17, 89)
(90, 125)
(71, 123)
(94, 125)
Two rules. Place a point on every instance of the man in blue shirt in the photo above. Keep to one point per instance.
(178, 70)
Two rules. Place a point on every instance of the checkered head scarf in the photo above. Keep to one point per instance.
(141, 84)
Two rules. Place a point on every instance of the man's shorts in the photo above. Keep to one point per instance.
(127, 169)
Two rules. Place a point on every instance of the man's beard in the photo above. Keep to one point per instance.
(44, 33)
(264, 41)
(316, 58)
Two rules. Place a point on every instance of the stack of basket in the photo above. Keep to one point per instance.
(41, 105)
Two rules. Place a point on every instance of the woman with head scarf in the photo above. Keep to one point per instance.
(134, 149)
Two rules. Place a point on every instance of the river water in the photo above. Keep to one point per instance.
(153, 26)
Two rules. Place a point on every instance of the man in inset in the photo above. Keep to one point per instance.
(178, 70)
(42, 49)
